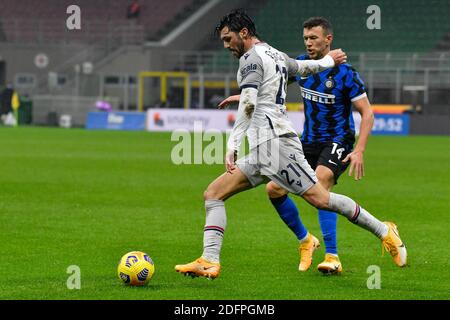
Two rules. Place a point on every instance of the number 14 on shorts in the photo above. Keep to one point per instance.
(337, 151)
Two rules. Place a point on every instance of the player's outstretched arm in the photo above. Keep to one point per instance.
(230, 100)
(235, 99)
(307, 67)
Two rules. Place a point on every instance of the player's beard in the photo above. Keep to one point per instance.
(318, 53)
(239, 52)
(314, 54)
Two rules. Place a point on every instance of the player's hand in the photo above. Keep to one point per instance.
(228, 101)
(338, 56)
(356, 159)
(230, 160)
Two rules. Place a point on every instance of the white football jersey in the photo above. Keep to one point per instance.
(267, 70)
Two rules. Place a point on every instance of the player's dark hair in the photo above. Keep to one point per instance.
(236, 20)
(318, 21)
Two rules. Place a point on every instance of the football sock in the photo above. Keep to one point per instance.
(327, 220)
(288, 212)
(216, 222)
(356, 214)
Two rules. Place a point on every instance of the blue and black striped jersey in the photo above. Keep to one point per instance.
(327, 98)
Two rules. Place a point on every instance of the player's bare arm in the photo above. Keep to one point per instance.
(338, 56)
(334, 57)
(230, 100)
(235, 99)
(356, 157)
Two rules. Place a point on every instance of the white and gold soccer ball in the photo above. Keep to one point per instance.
(136, 268)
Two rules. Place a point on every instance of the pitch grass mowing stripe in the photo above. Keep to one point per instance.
(77, 197)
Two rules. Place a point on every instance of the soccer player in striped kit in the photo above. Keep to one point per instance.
(327, 139)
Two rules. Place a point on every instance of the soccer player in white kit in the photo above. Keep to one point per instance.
(275, 150)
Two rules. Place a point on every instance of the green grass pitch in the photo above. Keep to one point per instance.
(85, 198)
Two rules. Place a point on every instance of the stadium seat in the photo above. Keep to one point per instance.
(24, 21)
(404, 28)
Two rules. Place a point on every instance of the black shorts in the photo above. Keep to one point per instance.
(328, 154)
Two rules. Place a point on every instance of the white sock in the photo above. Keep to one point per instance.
(350, 209)
(216, 222)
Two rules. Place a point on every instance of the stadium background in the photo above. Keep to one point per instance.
(167, 60)
(405, 64)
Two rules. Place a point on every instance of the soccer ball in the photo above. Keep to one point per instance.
(136, 268)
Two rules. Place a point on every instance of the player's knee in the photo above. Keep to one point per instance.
(212, 193)
(274, 191)
(317, 200)
(321, 204)
(208, 194)
(326, 179)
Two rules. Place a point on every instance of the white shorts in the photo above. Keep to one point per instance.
(280, 160)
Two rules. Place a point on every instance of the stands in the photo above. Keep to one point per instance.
(25, 21)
